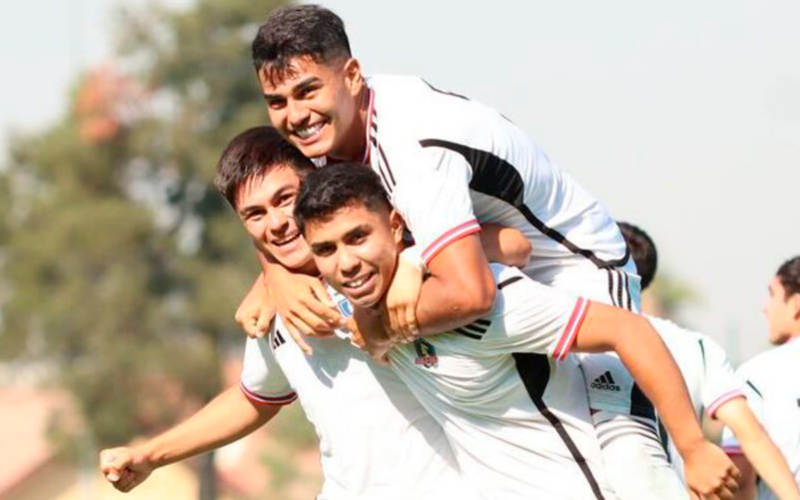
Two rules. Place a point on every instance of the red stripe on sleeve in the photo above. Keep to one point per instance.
(268, 400)
(449, 237)
(571, 330)
(717, 404)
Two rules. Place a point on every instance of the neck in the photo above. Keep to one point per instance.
(356, 139)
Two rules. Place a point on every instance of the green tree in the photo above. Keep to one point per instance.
(121, 266)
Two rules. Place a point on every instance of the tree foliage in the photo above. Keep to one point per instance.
(121, 266)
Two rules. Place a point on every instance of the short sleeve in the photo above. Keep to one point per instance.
(263, 380)
(532, 317)
(721, 383)
(755, 400)
(432, 195)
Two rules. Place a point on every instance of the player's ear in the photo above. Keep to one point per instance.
(795, 303)
(398, 226)
(353, 78)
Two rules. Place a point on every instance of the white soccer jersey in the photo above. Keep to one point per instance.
(519, 423)
(773, 393)
(448, 163)
(376, 441)
(704, 365)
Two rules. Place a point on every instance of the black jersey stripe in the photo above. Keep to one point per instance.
(619, 290)
(702, 353)
(640, 405)
(474, 328)
(495, 177)
(483, 321)
(752, 386)
(467, 334)
(628, 290)
(534, 370)
(386, 184)
(386, 164)
(509, 281)
(438, 91)
(611, 286)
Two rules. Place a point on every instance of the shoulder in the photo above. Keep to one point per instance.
(768, 363)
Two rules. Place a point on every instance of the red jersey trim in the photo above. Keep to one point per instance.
(570, 332)
(733, 450)
(370, 116)
(717, 404)
(268, 400)
(449, 237)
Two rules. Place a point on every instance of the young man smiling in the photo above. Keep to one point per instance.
(448, 165)
(399, 452)
(517, 419)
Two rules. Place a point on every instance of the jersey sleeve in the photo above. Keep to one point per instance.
(263, 380)
(721, 383)
(755, 400)
(532, 317)
(432, 194)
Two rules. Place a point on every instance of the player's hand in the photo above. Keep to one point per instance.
(125, 468)
(304, 306)
(369, 333)
(400, 304)
(256, 311)
(709, 472)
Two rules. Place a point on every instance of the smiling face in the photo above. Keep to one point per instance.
(356, 251)
(318, 106)
(265, 205)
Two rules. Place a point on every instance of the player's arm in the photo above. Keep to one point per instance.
(459, 289)
(505, 245)
(501, 244)
(760, 452)
(228, 417)
(708, 470)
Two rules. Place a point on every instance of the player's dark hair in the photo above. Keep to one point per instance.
(253, 154)
(643, 250)
(298, 31)
(789, 276)
(328, 190)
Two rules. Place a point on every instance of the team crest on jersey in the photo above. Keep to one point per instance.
(345, 308)
(426, 353)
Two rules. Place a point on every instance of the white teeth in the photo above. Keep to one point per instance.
(285, 241)
(306, 132)
(357, 283)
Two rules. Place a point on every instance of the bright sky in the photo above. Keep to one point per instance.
(682, 117)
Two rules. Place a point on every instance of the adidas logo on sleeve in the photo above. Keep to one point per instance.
(605, 382)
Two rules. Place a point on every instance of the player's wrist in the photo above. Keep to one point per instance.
(413, 257)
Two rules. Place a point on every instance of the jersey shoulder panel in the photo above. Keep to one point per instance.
(262, 379)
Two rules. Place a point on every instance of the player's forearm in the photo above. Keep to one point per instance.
(459, 290)
(652, 366)
(445, 305)
(228, 417)
(505, 245)
(759, 449)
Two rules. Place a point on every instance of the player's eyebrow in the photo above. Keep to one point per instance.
(297, 88)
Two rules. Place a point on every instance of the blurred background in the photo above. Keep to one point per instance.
(120, 267)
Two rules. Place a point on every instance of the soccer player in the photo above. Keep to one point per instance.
(510, 398)
(713, 388)
(448, 164)
(773, 387)
(399, 452)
